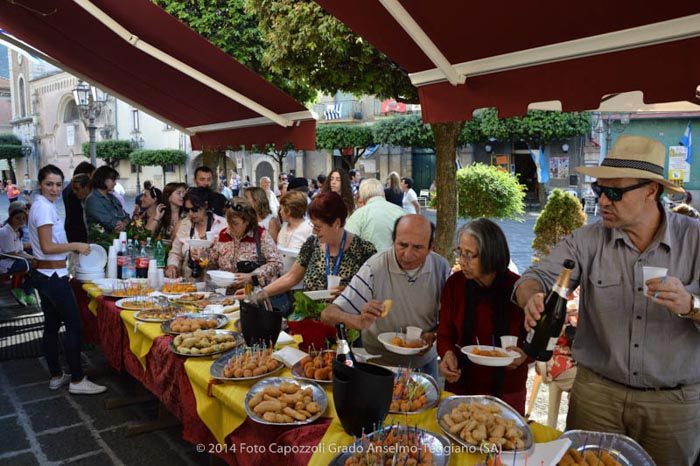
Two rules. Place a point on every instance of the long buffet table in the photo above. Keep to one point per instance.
(213, 415)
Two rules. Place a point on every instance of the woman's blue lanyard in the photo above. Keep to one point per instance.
(337, 259)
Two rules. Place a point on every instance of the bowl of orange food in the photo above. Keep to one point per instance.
(398, 343)
(489, 355)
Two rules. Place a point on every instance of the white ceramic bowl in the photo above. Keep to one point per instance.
(492, 361)
(385, 339)
(221, 278)
(108, 284)
(88, 277)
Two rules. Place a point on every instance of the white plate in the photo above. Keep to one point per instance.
(108, 284)
(491, 361)
(221, 278)
(318, 294)
(385, 339)
(97, 259)
(200, 243)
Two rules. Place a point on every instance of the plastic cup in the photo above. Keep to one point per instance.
(333, 282)
(201, 286)
(211, 236)
(413, 333)
(652, 272)
(509, 340)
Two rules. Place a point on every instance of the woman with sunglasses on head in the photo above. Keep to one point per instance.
(338, 181)
(244, 247)
(332, 251)
(196, 225)
(476, 307)
(258, 199)
(152, 210)
(174, 200)
(50, 278)
(101, 206)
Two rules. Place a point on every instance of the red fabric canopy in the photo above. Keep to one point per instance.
(82, 44)
(473, 33)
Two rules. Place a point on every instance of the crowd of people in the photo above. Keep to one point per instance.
(371, 235)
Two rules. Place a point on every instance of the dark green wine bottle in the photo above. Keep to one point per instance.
(542, 338)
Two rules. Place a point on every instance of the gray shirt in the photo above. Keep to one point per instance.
(622, 334)
(416, 301)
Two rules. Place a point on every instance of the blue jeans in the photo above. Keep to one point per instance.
(59, 306)
(431, 368)
(21, 266)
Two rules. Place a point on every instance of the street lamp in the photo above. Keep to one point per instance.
(137, 143)
(605, 125)
(90, 102)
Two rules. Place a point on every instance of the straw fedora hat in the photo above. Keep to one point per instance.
(634, 157)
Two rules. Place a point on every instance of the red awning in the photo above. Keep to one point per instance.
(169, 71)
(465, 55)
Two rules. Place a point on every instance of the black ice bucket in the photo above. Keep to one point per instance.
(260, 326)
(362, 396)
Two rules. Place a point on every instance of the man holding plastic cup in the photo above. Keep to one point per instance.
(637, 352)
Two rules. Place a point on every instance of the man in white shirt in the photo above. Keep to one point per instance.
(410, 198)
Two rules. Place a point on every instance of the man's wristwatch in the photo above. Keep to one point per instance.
(694, 308)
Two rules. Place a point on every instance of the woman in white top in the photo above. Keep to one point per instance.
(295, 229)
(50, 278)
(11, 243)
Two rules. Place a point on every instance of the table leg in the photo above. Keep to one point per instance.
(164, 421)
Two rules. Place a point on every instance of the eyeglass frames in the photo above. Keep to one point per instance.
(466, 256)
(615, 194)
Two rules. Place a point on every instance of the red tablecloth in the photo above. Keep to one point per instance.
(166, 378)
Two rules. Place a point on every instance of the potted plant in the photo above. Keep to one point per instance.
(562, 214)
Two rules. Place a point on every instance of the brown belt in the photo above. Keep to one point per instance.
(39, 264)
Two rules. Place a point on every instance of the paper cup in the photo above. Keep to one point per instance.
(508, 340)
(201, 286)
(333, 282)
(413, 333)
(652, 272)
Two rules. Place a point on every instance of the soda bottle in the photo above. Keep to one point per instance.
(121, 260)
(142, 262)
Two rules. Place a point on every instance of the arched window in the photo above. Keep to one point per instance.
(70, 112)
(22, 99)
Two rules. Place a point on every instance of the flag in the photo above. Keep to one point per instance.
(333, 111)
(687, 141)
(541, 163)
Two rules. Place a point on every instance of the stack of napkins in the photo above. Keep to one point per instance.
(288, 355)
(548, 454)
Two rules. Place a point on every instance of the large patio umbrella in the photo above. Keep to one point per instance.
(465, 55)
(138, 52)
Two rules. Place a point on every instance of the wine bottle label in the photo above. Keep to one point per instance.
(552, 343)
(559, 290)
(530, 335)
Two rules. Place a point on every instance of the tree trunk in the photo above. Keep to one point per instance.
(446, 135)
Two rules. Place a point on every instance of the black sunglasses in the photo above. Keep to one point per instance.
(234, 206)
(187, 210)
(615, 194)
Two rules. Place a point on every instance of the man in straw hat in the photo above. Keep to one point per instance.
(638, 353)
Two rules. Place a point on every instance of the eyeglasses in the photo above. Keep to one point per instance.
(465, 256)
(615, 194)
(234, 206)
(315, 227)
(187, 210)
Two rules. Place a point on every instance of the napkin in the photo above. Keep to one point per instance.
(285, 339)
(548, 453)
(364, 355)
(289, 355)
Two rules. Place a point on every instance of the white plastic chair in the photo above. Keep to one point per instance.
(424, 197)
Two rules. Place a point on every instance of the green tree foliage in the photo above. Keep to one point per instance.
(342, 137)
(562, 214)
(227, 24)
(320, 51)
(10, 151)
(278, 155)
(486, 191)
(159, 157)
(110, 150)
(404, 131)
(537, 128)
(10, 140)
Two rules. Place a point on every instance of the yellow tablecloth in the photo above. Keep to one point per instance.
(141, 335)
(93, 292)
(224, 412)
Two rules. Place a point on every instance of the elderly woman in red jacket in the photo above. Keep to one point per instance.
(476, 304)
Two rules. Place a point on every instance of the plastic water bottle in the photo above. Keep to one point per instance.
(159, 254)
(132, 252)
(149, 249)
